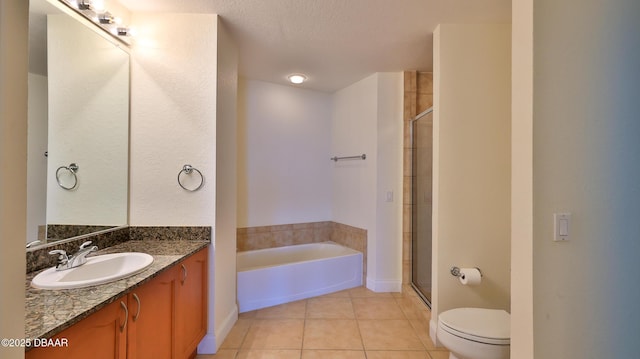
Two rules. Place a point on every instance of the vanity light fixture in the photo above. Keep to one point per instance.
(106, 18)
(95, 11)
(297, 78)
(95, 5)
(84, 5)
(123, 31)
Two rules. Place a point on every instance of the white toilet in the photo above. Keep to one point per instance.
(475, 333)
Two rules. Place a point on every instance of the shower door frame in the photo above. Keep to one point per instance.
(414, 204)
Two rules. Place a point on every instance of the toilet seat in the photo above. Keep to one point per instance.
(489, 326)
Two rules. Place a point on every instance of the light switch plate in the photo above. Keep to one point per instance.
(561, 227)
(389, 196)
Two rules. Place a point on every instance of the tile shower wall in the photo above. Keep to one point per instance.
(418, 96)
(262, 237)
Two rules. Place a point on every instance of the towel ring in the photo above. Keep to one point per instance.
(188, 169)
(73, 169)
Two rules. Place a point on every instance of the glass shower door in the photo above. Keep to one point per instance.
(422, 145)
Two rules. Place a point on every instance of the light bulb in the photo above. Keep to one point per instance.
(297, 78)
(106, 18)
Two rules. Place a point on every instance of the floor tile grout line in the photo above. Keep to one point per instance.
(410, 307)
(355, 317)
(400, 307)
(304, 325)
(244, 337)
(253, 320)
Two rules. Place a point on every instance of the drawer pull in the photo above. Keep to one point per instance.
(135, 296)
(184, 273)
(126, 316)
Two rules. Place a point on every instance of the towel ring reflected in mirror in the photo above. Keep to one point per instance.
(188, 170)
(73, 169)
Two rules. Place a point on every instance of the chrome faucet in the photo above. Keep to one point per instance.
(33, 243)
(78, 259)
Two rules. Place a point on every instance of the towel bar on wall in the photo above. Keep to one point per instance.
(73, 170)
(360, 157)
(188, 169)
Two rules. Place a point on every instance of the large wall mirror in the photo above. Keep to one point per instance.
(78, 123)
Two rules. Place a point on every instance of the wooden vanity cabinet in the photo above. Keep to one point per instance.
(151, 318)
(191, 304)
(164, 318)
(102, 335)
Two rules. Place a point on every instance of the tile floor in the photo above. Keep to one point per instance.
(351, 324)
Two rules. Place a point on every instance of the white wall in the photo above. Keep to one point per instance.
(36, 160)
(284, 145)
(367, 118)
(13, 176)
(223, 267)
(173, 119)
(585, 161)
(388, 269)
(471, 169)
(179, 77)
(522, 180)
(354, 132)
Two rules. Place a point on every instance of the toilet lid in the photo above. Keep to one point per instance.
(491, 326)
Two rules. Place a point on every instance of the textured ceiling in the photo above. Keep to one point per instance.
(334, 42)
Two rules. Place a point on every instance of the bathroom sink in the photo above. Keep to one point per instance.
(98, 270)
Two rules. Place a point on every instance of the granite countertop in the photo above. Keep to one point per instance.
(48, 312)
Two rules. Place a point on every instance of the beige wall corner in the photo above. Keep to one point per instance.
(224, 264)
(472, 164)
(13, 176)
(522, 181)
(585, 162)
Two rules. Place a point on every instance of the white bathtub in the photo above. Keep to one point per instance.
(274, 276)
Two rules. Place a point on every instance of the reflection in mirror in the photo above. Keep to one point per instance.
(78, 127)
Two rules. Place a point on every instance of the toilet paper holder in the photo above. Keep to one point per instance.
(455, 271)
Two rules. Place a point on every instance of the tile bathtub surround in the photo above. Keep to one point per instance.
(355, 323)
(348, 236)
(352, 237)
(282, 235)
(40, 258)
(252, 238)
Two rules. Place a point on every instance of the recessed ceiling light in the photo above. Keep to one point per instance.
(297, 78)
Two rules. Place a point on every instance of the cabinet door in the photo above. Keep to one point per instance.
(102, 335)
(191, 306)
(151, 318)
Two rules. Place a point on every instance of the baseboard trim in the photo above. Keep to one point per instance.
(207, 344)
(212, 341)
(433, 330)
(384, 285)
